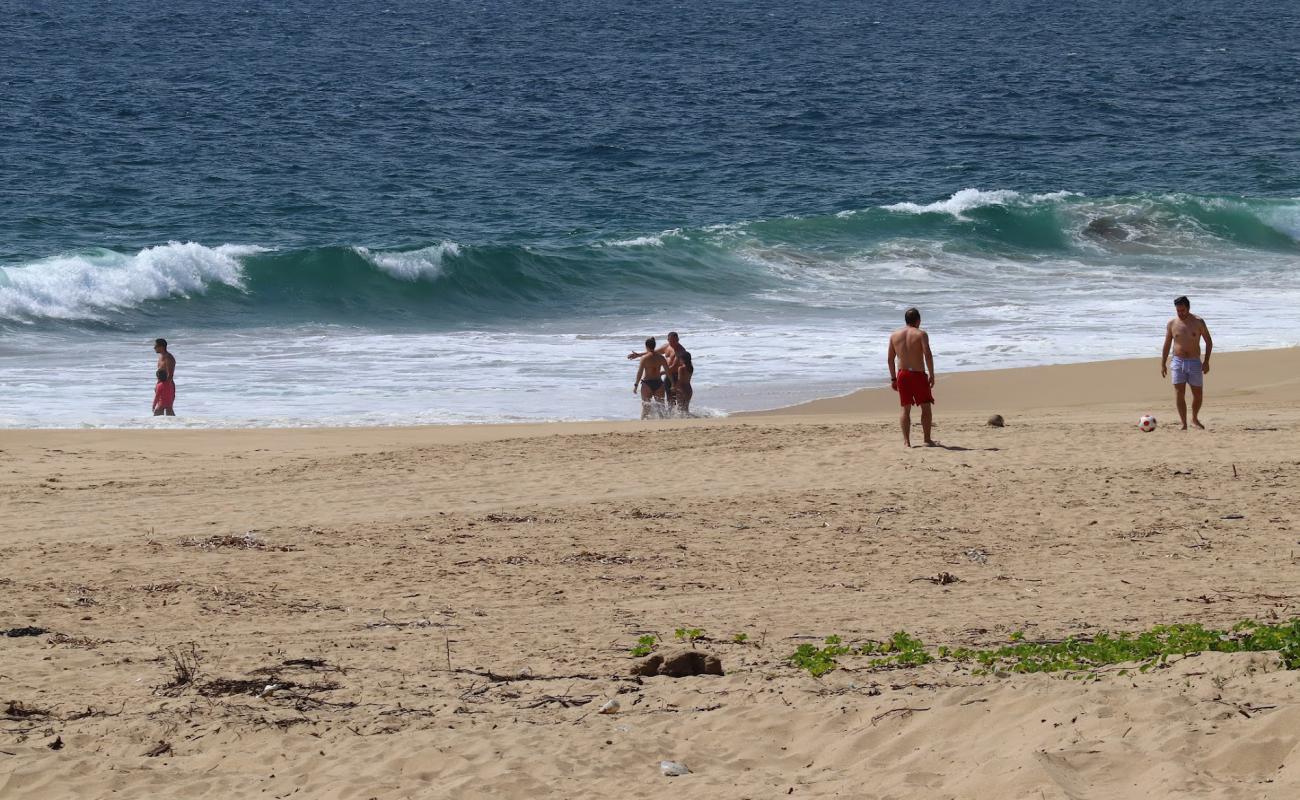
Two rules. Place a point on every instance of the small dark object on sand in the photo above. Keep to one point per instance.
(679, 664)
(942, 579)
(996, 421)
(15, 632)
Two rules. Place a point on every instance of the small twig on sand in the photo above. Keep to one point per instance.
(942, 579)
(564, 700)
(902, 712)
(447, 643)
(498, 678)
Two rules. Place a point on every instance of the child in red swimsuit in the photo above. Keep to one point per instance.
(164, 394)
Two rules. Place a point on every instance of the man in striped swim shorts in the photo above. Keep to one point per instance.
(1184, 333)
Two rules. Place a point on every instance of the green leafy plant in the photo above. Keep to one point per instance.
(819, 660)
(740, 638)
(1083, 656)
(645, 645)
(689, 635)
(900, 650)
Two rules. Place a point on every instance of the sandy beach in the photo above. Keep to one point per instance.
(441, 611)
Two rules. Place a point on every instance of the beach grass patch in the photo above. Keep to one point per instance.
(1078, 656)
(689, 635)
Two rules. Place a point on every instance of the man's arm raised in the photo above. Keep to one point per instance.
(661, 349)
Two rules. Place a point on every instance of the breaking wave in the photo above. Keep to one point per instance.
(787, 257)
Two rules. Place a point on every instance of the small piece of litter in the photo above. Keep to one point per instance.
(673, 769)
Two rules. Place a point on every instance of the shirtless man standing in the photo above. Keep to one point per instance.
(911, 346)
(1184, 333)
(166, 361)
(650, 377)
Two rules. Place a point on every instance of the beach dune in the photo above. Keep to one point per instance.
(440, 611)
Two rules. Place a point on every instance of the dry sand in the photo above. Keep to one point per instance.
(444, 609)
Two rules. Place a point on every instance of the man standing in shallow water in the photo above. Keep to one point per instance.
(1184, 332)
(911, 346)
(166, 363)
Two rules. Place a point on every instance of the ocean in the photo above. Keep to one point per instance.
(471, 212)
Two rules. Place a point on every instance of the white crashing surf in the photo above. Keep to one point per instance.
(411, 265)
(968, 199)
(652, 240)
(1285, 220)
(84, 286)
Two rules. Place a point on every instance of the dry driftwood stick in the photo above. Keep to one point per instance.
(902, 712)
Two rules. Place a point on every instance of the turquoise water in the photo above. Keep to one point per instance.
(460, 212)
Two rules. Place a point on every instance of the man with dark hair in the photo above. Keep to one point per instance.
(166, 363)
(1184, 333)
(911, 347)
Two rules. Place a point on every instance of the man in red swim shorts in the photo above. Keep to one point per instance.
(911, 346)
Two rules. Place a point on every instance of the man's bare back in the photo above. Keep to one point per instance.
(910, 346)
(911, 373)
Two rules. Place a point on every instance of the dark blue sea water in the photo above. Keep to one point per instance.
(354, 213)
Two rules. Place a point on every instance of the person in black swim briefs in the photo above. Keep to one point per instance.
(650, 379)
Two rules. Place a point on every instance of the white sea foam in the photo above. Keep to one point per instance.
(1285, 220)
(654, 240)
(85, 285)
(411, 265)
(967, 199)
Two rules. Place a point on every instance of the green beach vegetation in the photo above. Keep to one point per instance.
(1081, 656)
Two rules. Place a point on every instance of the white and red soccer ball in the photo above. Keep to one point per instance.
(1147, 423)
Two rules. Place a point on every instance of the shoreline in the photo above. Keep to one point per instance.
(1113, 382)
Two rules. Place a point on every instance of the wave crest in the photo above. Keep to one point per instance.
(968, 199)
(427, 263)
(84, 286)
(974, 233)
